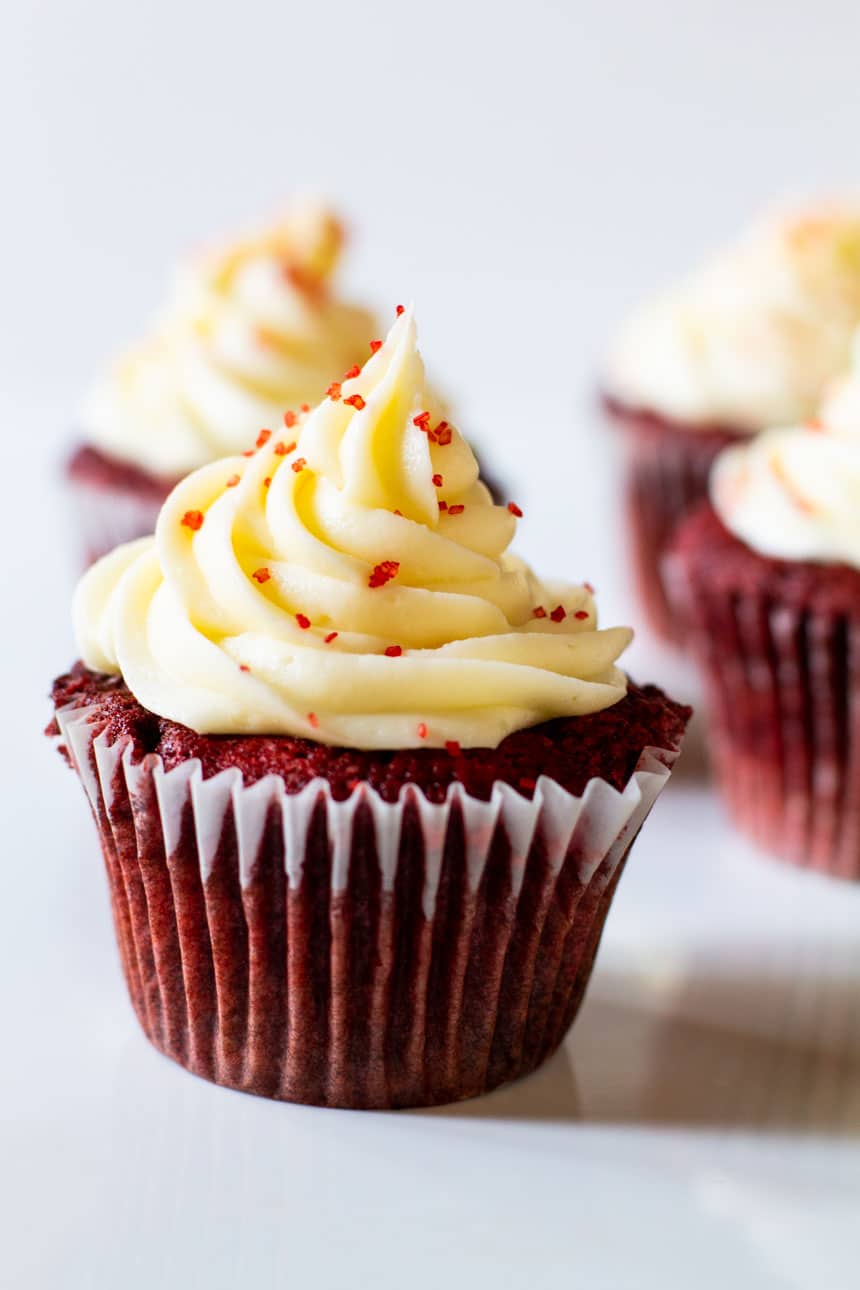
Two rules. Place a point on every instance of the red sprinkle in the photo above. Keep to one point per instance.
(559, 614)
(281, 449)
(393, 651)
(422, 421)
(353, 372)
(442, 434)
(443, 505)
(263, 438)
(539, 612)
(193, 520)
(400, 513)
(355, 401)
(267, 482)
(452, 747)
(383, 573)
(333, 391)
(313, 720)
(290, 419)
(375, 345)
(303, 621)
(243, 667)
(422, 730)
(400, 309)
(332, 636)
(261, 575)
(232, 481)
(298, 465)
(437, 481)
(456, 510)
(304, 407)
(580, 614)
(515, 510)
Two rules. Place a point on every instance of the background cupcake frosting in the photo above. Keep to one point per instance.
(251, 327)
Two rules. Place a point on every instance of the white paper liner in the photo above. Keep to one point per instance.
(511, 970)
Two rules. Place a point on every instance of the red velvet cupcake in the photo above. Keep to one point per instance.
(750, 341)
(364, 785)
(769, 585)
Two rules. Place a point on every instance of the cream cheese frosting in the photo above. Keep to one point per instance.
(348, 581)
(250, 329)
(753, 337)
(794, 493)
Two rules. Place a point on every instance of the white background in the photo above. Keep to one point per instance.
(524, 173)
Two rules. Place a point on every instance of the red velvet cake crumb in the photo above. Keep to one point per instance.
(570, 750)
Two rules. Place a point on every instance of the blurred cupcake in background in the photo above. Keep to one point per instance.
(749, 341)
(364, 784)
(252, 329)
(767, 581)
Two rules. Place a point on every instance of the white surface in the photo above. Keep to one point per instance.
(523, 184)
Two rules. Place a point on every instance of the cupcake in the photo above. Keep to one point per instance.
(749, 342)
(767, 577)
(364, 784)
(251, 328)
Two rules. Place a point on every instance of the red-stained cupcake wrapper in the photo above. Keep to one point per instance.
(357, 953)
(666, 475)
(783, 691)
(104, 517)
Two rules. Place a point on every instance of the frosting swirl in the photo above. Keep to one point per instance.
(250, 329)
(794, 492)
(349, 583)
(752, 338)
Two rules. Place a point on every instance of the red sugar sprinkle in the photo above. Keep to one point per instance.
(353, 372)
(422, 421)
(333, 391)
(249, 452)
(375, 345)
(540, 612)
(290, 419)
(261, 575)
(304, 407)
(456, 510)
(243, 667)
(452, 747)
(580, 614)
(313, 720)
(442, 434)
(232, 481)
(193, 520)
(400, 310)
(383, 573)
(281, 449)
(303, 621)
(515, 510)
(437, 481)
(559, 614)
(422, 730)
(443, 505)
(393, 651)
(263, 438)
(355, 401)
(400, 513)
(299, 464)
(332, 636)
(267, 482)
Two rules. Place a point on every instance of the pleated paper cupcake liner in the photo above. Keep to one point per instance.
(354, 953)
(666, 475)
(783, 690)
(103, 518)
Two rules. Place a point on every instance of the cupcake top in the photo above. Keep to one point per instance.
(347, 580)
(250, 328)
(794, 493)
(752, 338)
